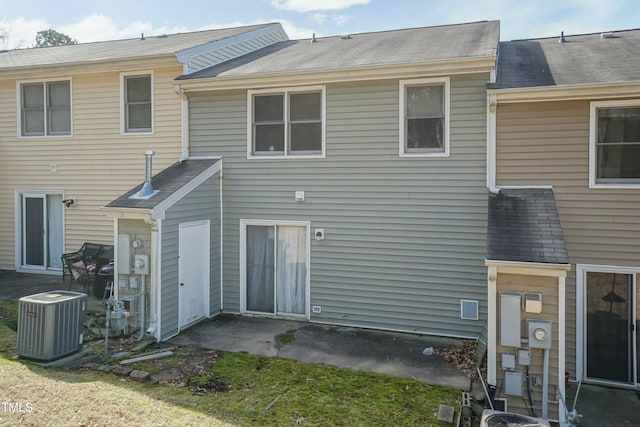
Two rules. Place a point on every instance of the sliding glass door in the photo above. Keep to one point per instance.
(610, 312)
(276, 269)
(41, 231)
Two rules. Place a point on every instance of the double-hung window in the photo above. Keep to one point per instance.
(45, 108)
(424, 117)
(137, 103)
(287, 122)
(615, 144)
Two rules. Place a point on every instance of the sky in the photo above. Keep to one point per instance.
(95, 20)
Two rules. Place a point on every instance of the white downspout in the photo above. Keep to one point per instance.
(153, 279)
(492, 103)
(184, 123)
(492, 277)
(561, 344)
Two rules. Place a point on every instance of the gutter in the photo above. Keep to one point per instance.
(630, 89)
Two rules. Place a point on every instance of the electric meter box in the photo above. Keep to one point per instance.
(539, 333)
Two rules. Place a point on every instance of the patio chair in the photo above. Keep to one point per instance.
(81, 265)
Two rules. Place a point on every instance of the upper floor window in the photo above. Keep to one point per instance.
(424, 117)
(286, 122)
(137, 103)
(615, 144)
(45, 108)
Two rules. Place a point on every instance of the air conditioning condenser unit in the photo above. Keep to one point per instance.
(50, 324)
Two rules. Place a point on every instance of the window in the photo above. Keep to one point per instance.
(468, 309)
(615, 144)
(45, 108)
(138, 103)
(287, 122)
(424, 117)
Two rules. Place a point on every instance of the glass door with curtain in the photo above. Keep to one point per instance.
(41, 231)
(610, 335)
(276, 270)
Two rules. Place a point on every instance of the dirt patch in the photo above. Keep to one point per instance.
(190, 366)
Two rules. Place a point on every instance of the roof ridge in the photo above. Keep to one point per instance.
(402, 29)
(595, 33)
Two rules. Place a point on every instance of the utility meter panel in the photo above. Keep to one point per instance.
(539, 333)
(141, 264)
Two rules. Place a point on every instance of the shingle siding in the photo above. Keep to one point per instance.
(405, 237)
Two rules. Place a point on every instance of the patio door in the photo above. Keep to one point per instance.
(275, 269)
(610, 327)
(41, 231)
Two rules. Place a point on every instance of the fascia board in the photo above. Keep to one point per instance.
(529, 268)
(293, 78)
(567, 92)
(88, 67)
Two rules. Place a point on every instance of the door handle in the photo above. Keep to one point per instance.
(181, 284)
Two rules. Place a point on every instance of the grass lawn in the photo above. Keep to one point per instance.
(264, 391)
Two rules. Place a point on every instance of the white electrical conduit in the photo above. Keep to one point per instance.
(545, 385)
(142, 306)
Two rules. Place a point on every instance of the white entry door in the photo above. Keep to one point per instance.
(193, 272)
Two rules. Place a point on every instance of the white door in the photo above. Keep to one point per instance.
(41, 235)
(193, 272)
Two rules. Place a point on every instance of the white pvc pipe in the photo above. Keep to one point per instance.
(545, 385)
(142, 306)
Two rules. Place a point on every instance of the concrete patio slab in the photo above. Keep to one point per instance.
(391, 353)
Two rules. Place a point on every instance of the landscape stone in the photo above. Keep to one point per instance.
(138, 375)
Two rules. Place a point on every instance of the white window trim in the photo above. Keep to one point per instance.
(286, 91)
(19, 84)
(123, 130)
(447, 114)
(593, 156)
(581, 314)
(243, 260)
(462, 302)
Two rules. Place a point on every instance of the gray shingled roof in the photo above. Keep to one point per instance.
(582, 59)
(117, 49)
(524, 226)
(417, 45)
(167, 182)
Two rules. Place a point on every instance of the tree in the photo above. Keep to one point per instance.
(47, 38)
(5, 31)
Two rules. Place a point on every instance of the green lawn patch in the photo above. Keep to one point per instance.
(219, 388)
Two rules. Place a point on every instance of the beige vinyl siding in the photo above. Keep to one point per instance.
(548, 286)
(547, 143)
(96, 164)
(201, 204)
(405, 238)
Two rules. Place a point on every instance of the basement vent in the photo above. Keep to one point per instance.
(468, 309)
